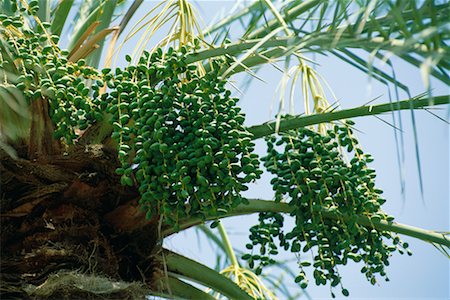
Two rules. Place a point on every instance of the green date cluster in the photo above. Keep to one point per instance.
(328, 194)
(45, 72)
(179, 132)
(263, 234)
(182, 135)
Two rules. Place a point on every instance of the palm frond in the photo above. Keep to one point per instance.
(192, 270)
(59, 14)
(382, 28)
(174, 288)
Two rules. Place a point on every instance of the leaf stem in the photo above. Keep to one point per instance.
(262, 130)
(257, 205)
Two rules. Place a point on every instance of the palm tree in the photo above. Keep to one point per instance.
(99, 166)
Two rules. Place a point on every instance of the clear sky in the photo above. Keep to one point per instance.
(425, 275)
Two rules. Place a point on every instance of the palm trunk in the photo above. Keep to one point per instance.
(70, 230)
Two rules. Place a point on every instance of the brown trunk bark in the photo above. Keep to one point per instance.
(41, 142)
(70, 230)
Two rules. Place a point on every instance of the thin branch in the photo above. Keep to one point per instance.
(228, 246)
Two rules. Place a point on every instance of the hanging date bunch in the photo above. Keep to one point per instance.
(45, 72)
(328, 195)
(182, 135)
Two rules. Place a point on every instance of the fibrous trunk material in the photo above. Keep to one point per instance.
(70, 230)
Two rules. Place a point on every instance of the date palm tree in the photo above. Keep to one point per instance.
(83, 210)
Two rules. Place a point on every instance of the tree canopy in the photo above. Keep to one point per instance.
(178, 137)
